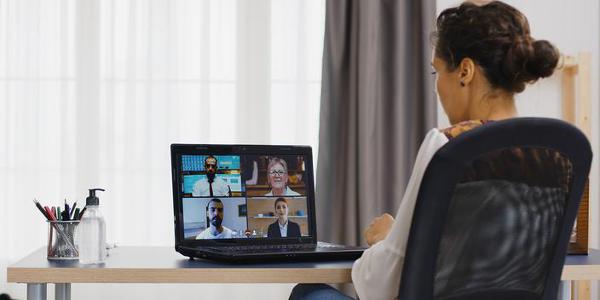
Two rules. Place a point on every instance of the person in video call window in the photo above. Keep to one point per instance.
(211, 185)
(277, 177)
(283, 227)
(214, 217)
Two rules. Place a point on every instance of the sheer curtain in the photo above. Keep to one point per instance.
(93, 92)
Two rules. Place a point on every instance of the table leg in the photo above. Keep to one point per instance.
(580, 290)
(583, 290)
(36, 291)
(564, 290)
(62, 291)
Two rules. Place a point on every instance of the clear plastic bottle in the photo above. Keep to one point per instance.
(92, 232)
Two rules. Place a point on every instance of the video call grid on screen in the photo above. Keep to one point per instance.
(254, 191)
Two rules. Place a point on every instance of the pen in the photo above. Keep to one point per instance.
(53, 210)
(65, 215)
(50, 219)
(48, 212)
(81, 213)
(58, 214)
(40, 208)
(67, 210)
(73, 213)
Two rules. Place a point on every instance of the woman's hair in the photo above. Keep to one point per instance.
(276, 160)
(280, 199)
(496, 37)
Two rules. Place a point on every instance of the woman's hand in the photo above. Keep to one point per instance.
(379, 229)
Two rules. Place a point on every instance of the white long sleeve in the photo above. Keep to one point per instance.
(376, 275)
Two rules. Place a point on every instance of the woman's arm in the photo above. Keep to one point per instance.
(376, 275)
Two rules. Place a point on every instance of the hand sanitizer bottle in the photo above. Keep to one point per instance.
(92, 232)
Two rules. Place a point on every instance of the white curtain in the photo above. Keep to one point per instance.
(93, 92)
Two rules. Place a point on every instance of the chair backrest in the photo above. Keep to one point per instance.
(495, 211)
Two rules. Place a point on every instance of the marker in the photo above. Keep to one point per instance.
(76, 214)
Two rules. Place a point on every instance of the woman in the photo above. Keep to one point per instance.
(277, 177)
(483, 56)
(283, 227)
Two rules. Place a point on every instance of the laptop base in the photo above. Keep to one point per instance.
(310, 252)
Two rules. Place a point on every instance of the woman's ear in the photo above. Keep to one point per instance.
(466, 71)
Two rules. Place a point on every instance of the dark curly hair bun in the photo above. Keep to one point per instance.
(497, 37)
(544, 60)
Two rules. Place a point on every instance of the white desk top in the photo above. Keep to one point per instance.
(165, 265)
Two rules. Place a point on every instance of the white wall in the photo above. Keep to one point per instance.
(573, 27)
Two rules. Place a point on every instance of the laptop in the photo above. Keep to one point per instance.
(244, 203)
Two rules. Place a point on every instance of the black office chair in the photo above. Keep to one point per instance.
(5, 297)
(494, 213)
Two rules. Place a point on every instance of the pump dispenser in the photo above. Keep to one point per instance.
(92, 232)
(92, 199)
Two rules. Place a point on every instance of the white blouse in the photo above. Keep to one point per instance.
(376, 275)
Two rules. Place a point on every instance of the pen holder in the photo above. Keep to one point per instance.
(61, 241)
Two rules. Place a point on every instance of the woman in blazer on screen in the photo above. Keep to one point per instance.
(283, 227)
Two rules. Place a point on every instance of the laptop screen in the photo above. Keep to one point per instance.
(224, 195)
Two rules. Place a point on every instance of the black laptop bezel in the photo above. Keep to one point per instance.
(177, 150)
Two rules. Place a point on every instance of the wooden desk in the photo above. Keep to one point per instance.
(164, 265)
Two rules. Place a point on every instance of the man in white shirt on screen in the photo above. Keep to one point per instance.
(212, 185)
(214, 217)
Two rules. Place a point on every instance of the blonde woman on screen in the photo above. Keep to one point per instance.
(277, 177)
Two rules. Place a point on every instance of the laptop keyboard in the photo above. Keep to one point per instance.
(264, 248)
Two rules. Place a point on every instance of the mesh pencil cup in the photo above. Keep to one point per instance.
(61, 240)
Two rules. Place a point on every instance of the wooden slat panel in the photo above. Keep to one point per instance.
(584, 96)
(576, 109)
(568, 95)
